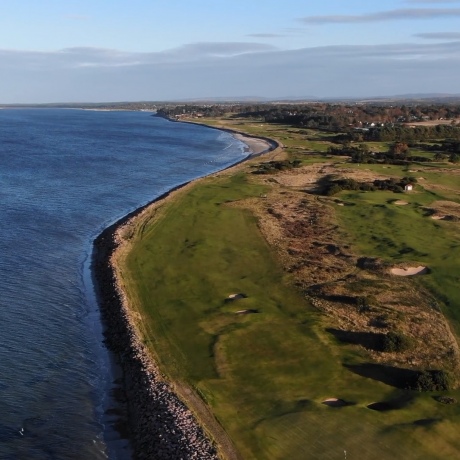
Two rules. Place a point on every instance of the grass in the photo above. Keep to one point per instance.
(264, 375)
(406, 233)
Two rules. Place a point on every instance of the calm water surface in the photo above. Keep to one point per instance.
(64, 176)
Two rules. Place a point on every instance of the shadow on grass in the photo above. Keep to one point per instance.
(394, 376)
(282, 408)
(393, 404)
(423, 423)
(369, 340)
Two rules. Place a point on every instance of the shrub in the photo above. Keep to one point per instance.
(396, 342)
(333, 190)
(433, 380)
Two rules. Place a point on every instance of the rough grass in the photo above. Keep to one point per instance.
(407, 233)
(264, 375)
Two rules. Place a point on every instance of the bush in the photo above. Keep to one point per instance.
(333, 190)
(396, 342)
(434, 380)
(364, 303)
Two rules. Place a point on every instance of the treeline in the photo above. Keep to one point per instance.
(214, 110)
(271, 167)
(398, 154)
(334, 186)
(444, 146)
(343, 116)
(320, 115)
(408, 134)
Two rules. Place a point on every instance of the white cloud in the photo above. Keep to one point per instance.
(210, 69)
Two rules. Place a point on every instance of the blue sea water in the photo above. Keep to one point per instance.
(64, 176)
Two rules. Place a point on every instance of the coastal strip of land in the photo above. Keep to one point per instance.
(160, 424)
(265, 293)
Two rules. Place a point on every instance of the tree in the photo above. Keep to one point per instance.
(399, 148)
(438, 156)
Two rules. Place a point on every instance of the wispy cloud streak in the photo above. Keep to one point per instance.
(218, 69)
(390, 15)
(439, 35)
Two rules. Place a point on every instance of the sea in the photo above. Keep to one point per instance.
(65, 175)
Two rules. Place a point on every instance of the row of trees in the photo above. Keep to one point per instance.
(334, 186)
(407, 134)
(398, 153)
(318, 115)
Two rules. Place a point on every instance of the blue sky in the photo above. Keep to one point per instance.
(101, 50)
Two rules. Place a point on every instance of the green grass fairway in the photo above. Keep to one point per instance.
(264, 375)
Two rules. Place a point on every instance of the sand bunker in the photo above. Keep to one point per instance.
(233, 297)
(409, 271)
(400, 202)
(236, 296)
(335, 402)
(444, 210)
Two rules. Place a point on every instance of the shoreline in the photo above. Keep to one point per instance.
(160, 424)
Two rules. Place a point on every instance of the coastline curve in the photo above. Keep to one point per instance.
(160, 424)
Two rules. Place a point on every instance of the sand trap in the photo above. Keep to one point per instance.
(246, 312)
(438, 217)
(335, 402)
(409, 271)
(237, 296)
(400, 202)
(233, 297)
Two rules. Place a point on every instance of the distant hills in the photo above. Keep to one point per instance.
(441, 97)
(138, 105)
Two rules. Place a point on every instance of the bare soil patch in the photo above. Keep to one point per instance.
(307, 177)
(433, 122)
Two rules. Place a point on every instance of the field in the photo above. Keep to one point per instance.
(265, 361)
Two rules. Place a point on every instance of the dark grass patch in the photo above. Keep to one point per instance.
(369, 340)
(392, 404)
(426, 421)
(393, 376)
(406, 379)
(445, 399)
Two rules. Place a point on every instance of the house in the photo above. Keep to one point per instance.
(408, 187)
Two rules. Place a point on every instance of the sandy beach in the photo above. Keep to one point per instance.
(256, 145)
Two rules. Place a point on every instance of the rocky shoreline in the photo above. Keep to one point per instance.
(160, 425)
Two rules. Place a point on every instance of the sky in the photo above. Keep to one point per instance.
(157, 50)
